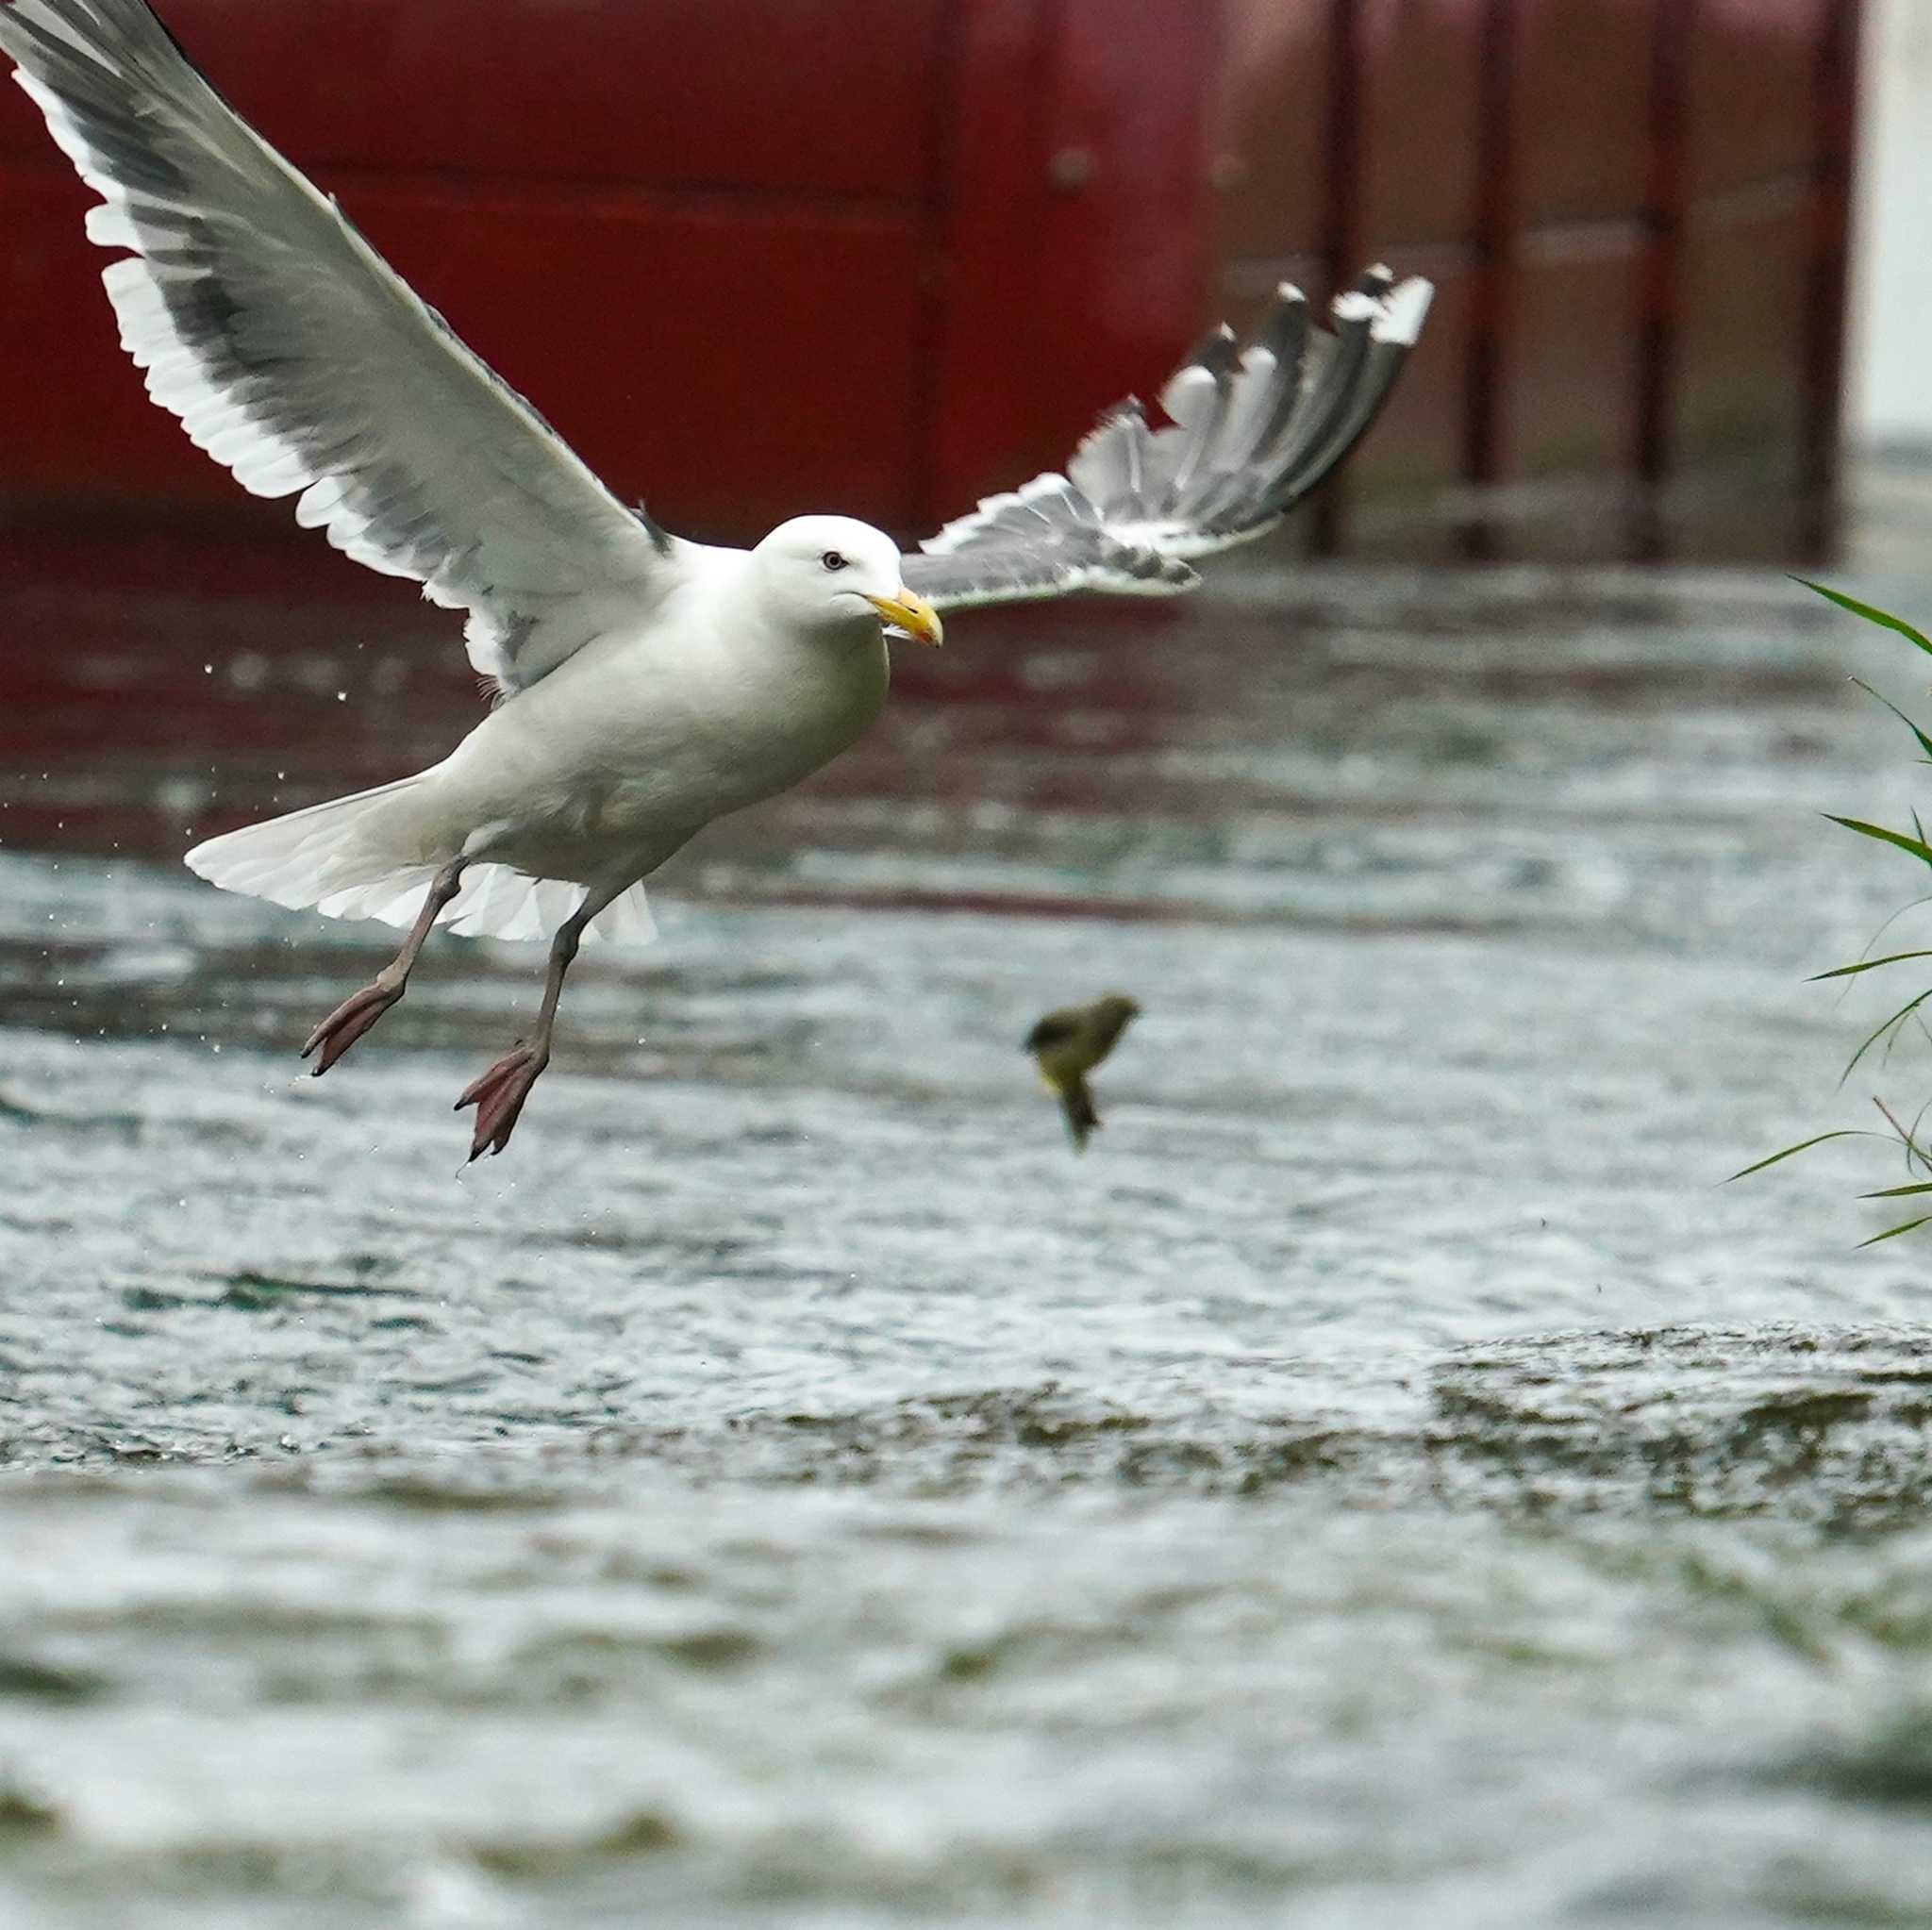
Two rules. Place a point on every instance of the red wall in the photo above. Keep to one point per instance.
(754, 257)
(1635, 214)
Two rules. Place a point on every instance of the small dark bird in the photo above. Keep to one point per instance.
(1069, 1043)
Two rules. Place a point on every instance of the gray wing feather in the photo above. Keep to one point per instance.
(1250, 432)
(1197, 400)
(1025, 569)
(297, 357)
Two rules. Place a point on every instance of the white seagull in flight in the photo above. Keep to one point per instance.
(647, 684)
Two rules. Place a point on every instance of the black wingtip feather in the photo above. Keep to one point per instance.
(1217, 356)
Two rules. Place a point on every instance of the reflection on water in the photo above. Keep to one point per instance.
(1388, 1481)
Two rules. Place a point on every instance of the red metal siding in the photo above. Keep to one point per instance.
(1579, 202)
(780, 348)
(758, 256)
(1269, 129)
(751, 259)
(698, 237)
(822, 97)
(1634, 211)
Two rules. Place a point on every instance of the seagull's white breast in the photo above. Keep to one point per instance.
(640, 739)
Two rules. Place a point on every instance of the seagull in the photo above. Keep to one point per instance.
(645, 685)
(1068, 1044)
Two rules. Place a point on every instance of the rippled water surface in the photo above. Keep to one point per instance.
(1389, 1481)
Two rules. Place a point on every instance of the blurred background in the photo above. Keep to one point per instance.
(930, 238)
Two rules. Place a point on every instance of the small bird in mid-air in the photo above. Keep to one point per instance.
(1069, 1043)
(647, 685)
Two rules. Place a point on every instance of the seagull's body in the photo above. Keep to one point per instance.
(736, 686)
(596, 775)
(708, 708)
(647, 685)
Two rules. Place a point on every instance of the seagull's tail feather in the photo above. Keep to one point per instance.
(326, 856)
(332, 857)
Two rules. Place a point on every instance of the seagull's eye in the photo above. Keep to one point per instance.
(833, 560)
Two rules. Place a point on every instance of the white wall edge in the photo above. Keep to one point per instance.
(1889, 339)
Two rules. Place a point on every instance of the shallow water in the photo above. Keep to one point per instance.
(1388, 1481)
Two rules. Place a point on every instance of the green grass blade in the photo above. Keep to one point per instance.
(1893, 1232)
(1913, 1149)
(1803, 1146)
(1867, 965)
(1899, 1192)
(1917, 846)
(1884, 618)
(1903, 1012)
(1925, 742)
(1910, 905)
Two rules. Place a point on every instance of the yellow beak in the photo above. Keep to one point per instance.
(912, 614)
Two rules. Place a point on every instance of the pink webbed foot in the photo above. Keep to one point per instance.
(348, 1023)
(498, 1097)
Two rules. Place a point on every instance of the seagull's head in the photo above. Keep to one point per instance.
(828, 571)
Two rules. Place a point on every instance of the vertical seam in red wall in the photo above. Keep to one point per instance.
(1834, 103)
(1494, 230)
(985, 323)
(1051, 58)
(1212, 65)
(1341, 215)
(1663, 218)
(937, 205)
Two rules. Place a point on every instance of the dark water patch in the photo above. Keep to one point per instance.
(460, 1495)
(1891, 1767)
(21, 1109)
(23, 1814)
(644, 1833)
(595, 1662)
(1828, 1425)
(26, 1679)
(253, 1291)
(1822, 1424)
(249, 1291)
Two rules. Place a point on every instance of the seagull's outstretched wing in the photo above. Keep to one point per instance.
(295, 356)
(1251, 432)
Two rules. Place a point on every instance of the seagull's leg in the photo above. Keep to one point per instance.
(499, 1095)
(360, 1010)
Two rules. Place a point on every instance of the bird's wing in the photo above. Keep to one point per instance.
(1250, 432)
(294, 355)
(1054, 1029)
